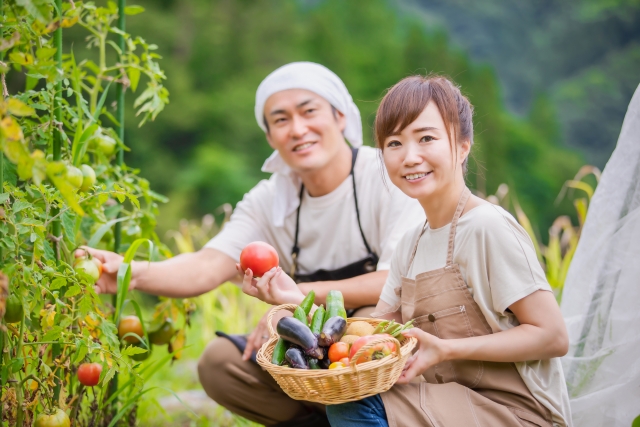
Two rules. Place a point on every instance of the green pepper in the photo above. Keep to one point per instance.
(307, 302)
(317, 320)
(277, 358)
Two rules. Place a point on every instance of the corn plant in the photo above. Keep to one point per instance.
(556, 256)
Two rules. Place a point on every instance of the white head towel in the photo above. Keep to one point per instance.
(318, 79)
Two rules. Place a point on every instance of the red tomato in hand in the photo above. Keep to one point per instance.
(89, 374)
(338, 350)
(260, 257)
(374, 353)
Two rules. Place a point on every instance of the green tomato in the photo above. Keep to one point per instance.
(163, 334)
(105, 144)
(141, 356)
(88, 177)
(92, 267)
(74, 176)
(58, 419)
(14, 310)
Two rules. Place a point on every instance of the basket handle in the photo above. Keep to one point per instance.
(374, 343)
(274, 310)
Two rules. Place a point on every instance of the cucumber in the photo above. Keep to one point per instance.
(299, 314)
(313, 364)
(277, 358)
(307, 302)
(317, 320)
(335, 305)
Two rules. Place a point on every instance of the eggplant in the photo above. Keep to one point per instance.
(333, 329)
(325, 362)
(296, 358)
(292, 330)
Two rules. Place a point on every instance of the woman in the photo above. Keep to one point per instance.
(488, 326)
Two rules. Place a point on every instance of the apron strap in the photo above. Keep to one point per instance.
(415, 247)
(464, 197)
(295, 250)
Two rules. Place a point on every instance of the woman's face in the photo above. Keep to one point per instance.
(420, 160)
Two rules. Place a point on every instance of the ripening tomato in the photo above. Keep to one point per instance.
(89, 374)
(344, 360)
(374, 353)
(88, 177)
(14, 311)
(92, 267)
(58, 418)
(74, 176)
(130, 324)
(338, 350)
(260, 257)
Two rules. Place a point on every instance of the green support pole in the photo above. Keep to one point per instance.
(57, 154)
(120, 89)
(1, 151)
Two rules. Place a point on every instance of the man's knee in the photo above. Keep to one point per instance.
(214, 364)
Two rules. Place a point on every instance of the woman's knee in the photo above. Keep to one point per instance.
(365, 412)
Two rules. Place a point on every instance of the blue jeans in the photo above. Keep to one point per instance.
(367, 412)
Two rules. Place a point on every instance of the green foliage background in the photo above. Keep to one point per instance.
(206, 149)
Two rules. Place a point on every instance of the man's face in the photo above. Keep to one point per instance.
(303, 128)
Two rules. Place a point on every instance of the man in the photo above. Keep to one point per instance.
(327, 211)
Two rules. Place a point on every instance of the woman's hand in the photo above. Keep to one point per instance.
(274, 287)
(431, 351)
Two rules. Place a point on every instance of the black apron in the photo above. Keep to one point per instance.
(358, 268)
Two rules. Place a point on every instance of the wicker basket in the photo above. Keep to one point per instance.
(335, 386)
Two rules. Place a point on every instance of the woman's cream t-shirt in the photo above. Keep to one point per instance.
(499, 265)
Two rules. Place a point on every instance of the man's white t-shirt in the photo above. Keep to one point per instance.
(499, 265)
(329, 237)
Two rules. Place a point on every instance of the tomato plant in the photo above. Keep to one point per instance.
(260, 257)
(89, 374)
(64, 184)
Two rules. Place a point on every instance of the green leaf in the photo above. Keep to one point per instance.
(82, 350)
(132, 349)
(134, 77)
(54, 334)
(133, 10)
(97, 236)
(34, 237)
(68, 221)
(57, 283)
(45, 53)
(108, 376)
(73, 291)
(101, 102)
(4, 197)
(19, 108)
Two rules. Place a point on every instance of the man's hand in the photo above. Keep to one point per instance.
(431, 351)
(274, 287)
(108, 282)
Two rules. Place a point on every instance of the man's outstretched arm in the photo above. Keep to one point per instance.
(184, 276)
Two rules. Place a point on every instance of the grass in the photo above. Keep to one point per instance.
(226, 309)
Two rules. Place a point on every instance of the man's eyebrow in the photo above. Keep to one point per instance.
(300, 105)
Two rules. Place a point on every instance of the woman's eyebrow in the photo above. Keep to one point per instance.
(424, 129)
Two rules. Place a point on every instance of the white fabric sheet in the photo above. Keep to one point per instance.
(601, 301)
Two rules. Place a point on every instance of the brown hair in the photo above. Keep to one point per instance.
(406, 100)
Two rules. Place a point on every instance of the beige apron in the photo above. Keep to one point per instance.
(457, 393)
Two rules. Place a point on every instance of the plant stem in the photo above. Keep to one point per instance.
(57, 154)
(19, 396)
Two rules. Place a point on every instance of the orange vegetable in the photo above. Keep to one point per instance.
(338, 350)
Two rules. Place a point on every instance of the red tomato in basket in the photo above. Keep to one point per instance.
(260, 257)
(345, 361)
(376, 352)
(338, 350)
